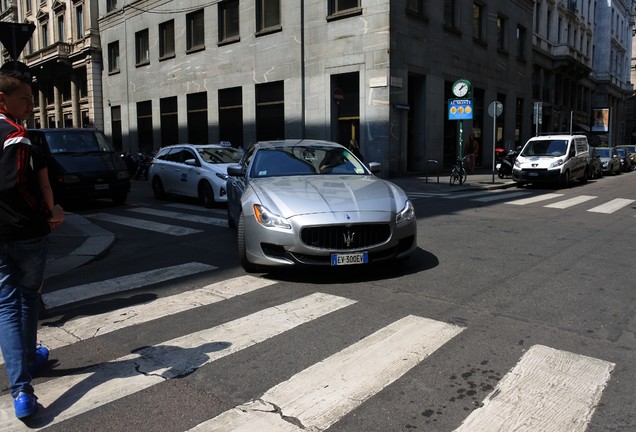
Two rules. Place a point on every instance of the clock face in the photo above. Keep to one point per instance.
(460, 89)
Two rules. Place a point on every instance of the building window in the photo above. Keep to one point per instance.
(115, 115)
(79, 18)
(343, 6)
(166, 39)
(270, 111)
(502, 24)
(415, 6)
(231, 116)
(451, 13)
(142, 55)
(45, 35)
(198, 118)
(113, 57)
(60, 28)
(144, 126)
(27, 6)
(478, 22)
(195, 31)
(169, 121)
(267, 15)
(111, 5)
(521, 42)
(228, 21)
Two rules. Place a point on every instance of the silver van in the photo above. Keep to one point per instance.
(556, 159)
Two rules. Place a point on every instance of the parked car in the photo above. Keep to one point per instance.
(552, 159)
(193, 170)
(595, 168)
(609, 159)
(631, 149)
(83, 164)
(313, 203)
(625, 158)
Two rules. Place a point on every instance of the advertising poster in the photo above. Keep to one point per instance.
(600, 119)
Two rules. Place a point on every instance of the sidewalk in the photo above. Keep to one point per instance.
(78, 241)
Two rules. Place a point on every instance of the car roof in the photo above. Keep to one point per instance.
(196, 146)
(294, 142)
(557, 136)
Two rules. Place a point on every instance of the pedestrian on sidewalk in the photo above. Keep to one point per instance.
(472, 150)
(25, 222)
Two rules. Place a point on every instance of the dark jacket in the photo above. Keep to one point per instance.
(23, 213)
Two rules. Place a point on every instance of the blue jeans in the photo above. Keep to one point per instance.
(22, 266)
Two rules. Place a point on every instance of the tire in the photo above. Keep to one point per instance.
(247, 266)
(157, 189)
(120, 198)
(230, 221)
(585, 176)
(566, 179)
(206, 195)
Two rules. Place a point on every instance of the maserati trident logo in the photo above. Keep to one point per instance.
(348, 237)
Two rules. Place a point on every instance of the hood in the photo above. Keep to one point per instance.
(301, 195)
(74, 163)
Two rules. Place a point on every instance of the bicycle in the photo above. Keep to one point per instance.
(458, 173)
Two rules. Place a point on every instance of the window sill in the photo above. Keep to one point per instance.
(481, 42)
(344, 14)
(453, 30)
(269, 30)
(417, 15)
(229, 41)
(167, 57)
(114, 72)
(142, 63)
(195, 49)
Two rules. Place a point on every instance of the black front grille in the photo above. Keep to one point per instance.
(343, 237)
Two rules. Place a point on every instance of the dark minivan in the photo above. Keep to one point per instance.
(83, 164)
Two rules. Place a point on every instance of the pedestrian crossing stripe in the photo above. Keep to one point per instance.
(535, 199)
(548, 390)
(195, 208)
(72, 395)
(571, 202)
(181, 216)
(162, 228)
(320, 395)
(612, 206)
(123, 283)
(501, 196)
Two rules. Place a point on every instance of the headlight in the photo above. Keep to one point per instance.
(407, 214)
(222, 176)
(556, 163)
(269, 219)
(517, 163)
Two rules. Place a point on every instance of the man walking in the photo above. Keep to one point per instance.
(25, 222)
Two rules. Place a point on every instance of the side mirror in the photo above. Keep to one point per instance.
(235, 170)
(375, 167)
(191, 162)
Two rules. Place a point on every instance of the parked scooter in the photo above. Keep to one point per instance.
(505, 169)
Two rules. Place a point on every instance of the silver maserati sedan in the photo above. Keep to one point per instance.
(313, 203)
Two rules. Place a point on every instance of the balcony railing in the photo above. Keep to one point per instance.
(55, 51)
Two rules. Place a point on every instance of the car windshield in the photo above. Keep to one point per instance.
(220, 155)
(603, 152)
(546, 147)
(621, 152)
(88, 141)
(305, 160)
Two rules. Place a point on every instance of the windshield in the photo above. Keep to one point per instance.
(621, 152)
(547, 147)
(220, 155)
(305, 160)
(85, 141)
(603, 152)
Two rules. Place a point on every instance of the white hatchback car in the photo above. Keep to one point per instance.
(193, 170)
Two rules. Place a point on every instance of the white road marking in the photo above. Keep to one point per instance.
(123, 283)
(196, 208)
(145, 224)
(571, 202)
(320, 395)
(501, 196)
(181, 216)
(72, 395)
(612, 206)
(470, 194)
(91, 326)
(535, 199)
(548, 390)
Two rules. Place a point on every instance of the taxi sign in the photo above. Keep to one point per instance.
(460, 109)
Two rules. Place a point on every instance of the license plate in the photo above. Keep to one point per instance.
(349, 259)
(102, 186)
(533, 174)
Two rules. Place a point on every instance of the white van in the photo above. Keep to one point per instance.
(553, 159)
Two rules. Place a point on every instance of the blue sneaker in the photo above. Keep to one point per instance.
(25, 405)
(40, 358)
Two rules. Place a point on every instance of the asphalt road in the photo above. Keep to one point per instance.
(499, 280)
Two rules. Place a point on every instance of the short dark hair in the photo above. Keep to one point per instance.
(17, 70)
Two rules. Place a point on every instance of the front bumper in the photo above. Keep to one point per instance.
(536, 175)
